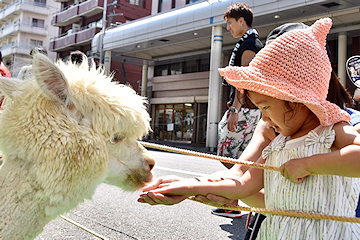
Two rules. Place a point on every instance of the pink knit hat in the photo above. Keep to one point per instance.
(294, 67)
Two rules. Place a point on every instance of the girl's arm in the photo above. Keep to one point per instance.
(344, 160)
(250, 183)
(262, 136)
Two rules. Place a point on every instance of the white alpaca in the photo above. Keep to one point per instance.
(61, 134)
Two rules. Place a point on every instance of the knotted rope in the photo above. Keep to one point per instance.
(255, 165)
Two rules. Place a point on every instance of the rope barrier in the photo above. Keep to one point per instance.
(250, 209)
(209, 156)
(284, 212)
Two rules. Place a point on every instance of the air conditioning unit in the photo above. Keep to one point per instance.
(76, 27)
(92, 24)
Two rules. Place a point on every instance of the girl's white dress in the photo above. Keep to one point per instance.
(325, 194)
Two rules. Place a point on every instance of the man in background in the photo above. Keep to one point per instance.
(238, 123)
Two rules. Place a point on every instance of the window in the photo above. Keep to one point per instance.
(205, 64)
(165, 5)
(161, 70)
(191, 66)
(35, 43)
(139, 3)
(180, 3)
(41, 3)
(175, 68)
(38, 23)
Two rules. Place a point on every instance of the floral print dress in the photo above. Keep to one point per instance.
(232, 144)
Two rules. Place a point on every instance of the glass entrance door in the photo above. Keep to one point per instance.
(174, 122)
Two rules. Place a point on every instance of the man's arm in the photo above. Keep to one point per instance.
(246, 58)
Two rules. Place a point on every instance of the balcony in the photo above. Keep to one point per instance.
(63, 43)
(85, 36)
(66, 17)
(73, 40)
(61, 1)
(17, 26)
(23, 5)
(4, 2)
(75, 12)
(15, 48)
(91, 7)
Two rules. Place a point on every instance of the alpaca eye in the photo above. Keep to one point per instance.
(116, 139)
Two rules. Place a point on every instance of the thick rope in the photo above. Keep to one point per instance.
(287, 213)
(250, 209)
(209, 156)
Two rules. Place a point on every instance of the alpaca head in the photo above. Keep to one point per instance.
(71, 123)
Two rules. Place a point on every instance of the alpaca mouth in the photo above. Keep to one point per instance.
(149, 178)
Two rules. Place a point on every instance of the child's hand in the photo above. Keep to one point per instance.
(295, 170)
(166, 190)
(182, 187)
(158, 198)
(161, 182)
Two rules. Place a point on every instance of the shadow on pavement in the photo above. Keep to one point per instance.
(236, 228)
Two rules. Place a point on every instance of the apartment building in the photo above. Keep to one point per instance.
(80, 20)
(25, 24)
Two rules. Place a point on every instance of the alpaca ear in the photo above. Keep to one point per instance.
(51, 80)
(8, 86)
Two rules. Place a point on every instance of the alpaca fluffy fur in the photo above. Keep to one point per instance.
(61, 134)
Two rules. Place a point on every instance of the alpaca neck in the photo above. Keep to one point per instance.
(21, 217)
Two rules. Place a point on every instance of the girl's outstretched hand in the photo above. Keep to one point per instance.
(295, 170)
(158, 198)
(159, 191)
(183, 187)
(161, 182)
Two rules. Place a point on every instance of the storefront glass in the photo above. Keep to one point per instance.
(159, 124)
(174, 122)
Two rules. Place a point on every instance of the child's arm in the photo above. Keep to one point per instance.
(250, 183)
(344, 160)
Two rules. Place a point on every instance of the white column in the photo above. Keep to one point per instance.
(103, 29)
(107, 62)
(214, 88)
(144, 79)
(342, 55)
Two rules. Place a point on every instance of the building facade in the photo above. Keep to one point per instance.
(182, 47)
(80, 20)
(25, 24)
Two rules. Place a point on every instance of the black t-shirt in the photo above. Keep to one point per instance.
(252, 43)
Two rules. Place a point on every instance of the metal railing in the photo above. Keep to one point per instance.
(29, 2)
(68, 33)
(23, 23)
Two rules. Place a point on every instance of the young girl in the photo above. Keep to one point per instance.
(317, 151)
